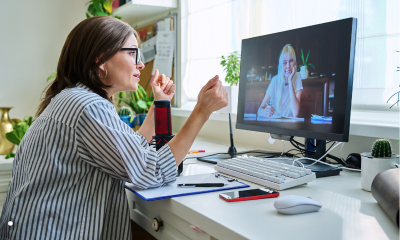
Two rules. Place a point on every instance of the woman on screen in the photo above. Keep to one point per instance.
(283, 95)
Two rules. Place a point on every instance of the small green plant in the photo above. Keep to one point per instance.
(304, 60)
(125, 111)
(381, 148)
(231, 64)
(100, 8)
(18, 132)
(138, 100)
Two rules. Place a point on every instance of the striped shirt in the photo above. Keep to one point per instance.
(70, 169)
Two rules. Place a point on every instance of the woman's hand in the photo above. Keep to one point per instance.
(212, 97)
(269, 111)
(163, 87)
(292, 74)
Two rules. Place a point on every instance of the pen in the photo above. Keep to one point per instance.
(201, 185)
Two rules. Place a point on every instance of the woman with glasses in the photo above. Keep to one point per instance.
(71, 167)
(283, 95)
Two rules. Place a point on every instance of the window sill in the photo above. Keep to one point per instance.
(362, 123)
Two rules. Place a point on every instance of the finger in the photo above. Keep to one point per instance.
(172, 89)
(156, 74)
(210, 83)
(168, 86)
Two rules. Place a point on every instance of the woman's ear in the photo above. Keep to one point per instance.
(102, 67)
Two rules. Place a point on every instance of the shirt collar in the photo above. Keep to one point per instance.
(81, 85)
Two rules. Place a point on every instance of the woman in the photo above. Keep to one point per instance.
(71, 166)
(284, 93)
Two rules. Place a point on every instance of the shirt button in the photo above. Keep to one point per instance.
(10, 223)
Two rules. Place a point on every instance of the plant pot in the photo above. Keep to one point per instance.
(232, 100)
(371, 166)
(304, 72)
(139, 119)
(6, 146)
(126, 119)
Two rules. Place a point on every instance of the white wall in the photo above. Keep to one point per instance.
(32, 34)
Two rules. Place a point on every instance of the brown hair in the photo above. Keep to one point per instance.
(91, 43)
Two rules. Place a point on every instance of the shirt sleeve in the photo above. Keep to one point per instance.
(298, 82)
(106, 142)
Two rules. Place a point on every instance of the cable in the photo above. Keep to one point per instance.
(319, 160)
(283, 150)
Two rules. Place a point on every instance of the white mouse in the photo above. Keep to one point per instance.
(293, 204)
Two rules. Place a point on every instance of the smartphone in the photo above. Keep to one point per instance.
(250, 194)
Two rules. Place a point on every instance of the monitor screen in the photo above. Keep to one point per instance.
(299, 82)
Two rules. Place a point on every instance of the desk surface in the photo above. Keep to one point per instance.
(347, 211)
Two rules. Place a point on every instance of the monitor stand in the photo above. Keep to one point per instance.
(320, 169)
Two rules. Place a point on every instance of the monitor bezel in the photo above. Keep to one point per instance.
(305, 133)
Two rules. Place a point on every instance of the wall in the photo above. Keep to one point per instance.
(219, 130)
(32, 36)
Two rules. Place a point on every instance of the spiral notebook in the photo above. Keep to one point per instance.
(172, 190)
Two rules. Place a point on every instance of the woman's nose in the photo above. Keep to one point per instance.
(141, 65)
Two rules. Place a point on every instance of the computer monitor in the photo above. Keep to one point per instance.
(316, 103)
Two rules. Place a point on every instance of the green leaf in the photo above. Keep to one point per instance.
(13, 137)
(98, 7)
(308, 54)
(142, 104)
(102, 14)
(28, 120)
(132, 118)
(51, 77)
(311, 65)
(10, 155)
(118, 17)
(87, 16)
(302, 55)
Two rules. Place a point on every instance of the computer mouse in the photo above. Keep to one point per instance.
(293, 204)
(354, 159)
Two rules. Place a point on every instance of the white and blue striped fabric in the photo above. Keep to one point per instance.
(70, 170)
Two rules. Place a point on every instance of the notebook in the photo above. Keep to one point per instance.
(172, 190)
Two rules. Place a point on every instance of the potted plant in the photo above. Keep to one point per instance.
(126, 115)
(379, 159)
(18, 132)
(139, 101)
(231, 64)
(304, 65)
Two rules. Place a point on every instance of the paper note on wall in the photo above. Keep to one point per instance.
(148, 49)
(165, 50)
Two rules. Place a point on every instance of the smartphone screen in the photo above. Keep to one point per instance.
(248, 194)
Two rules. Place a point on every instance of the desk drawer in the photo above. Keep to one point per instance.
(174, 227)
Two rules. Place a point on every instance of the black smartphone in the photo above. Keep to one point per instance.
(243, 195)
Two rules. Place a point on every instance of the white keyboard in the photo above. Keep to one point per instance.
(266, 172)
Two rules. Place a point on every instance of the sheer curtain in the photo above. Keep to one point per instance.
(216, 27)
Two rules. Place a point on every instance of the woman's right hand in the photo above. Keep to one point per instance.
(269, 111)
(212, 97)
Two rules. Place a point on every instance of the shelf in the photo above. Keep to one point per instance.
(135, 12)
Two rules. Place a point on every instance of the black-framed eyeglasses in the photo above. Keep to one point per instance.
(136, 54)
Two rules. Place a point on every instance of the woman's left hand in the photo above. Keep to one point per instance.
(292, 74)
(163, 87)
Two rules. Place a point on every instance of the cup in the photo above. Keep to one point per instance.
(371, 166)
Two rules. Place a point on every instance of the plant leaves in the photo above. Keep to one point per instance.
(311, 65)
(87, 16)
(102, 14)
(13, 138)
(308, 54)
(107, 5)
(118, 17)
(10, 155)
(142, 104)
(51, 77)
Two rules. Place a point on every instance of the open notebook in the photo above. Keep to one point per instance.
(172, 190)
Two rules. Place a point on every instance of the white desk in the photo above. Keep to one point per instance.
(347, 211)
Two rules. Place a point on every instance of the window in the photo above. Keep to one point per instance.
(212, 28)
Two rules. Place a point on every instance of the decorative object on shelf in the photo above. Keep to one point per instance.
(126, 115)
(19, 129)
(380, 159)
(6, 126)
(231, 64)
(304, 65)
(100, 8)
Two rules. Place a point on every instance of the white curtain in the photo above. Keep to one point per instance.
(217, 27)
